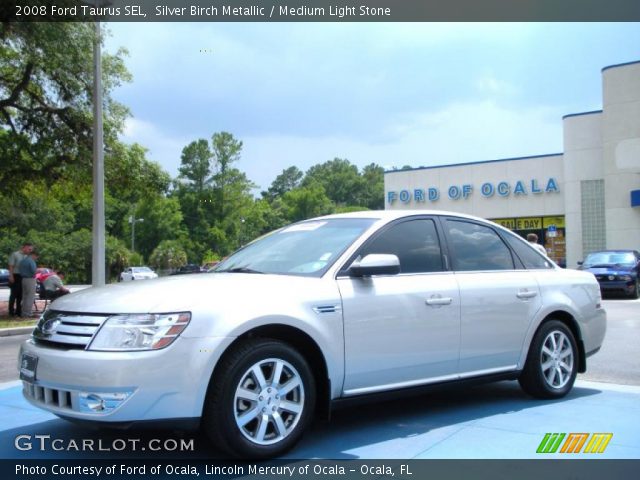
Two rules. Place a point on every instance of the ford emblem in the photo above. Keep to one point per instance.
(50, 326)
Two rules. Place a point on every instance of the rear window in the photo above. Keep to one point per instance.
(477, 247)
(529, 256)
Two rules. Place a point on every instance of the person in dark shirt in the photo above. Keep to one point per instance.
(15, 280)
(27, 270)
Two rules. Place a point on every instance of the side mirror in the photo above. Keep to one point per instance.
(375, 264)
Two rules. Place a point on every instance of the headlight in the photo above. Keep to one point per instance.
(140, 331)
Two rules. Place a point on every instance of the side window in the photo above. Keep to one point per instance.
(477, 247)
(528, 255)
(414, 242)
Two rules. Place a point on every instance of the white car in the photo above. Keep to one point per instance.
(137, 273)
(314, 314)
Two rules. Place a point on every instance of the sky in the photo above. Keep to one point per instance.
(419, 94)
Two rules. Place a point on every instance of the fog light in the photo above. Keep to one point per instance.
(94, 402)
(101, 402)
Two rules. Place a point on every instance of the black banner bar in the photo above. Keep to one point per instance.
(321, 10)
(325, 469)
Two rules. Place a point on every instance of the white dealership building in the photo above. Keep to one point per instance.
(584, 199)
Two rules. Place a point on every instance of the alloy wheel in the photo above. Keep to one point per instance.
(557, 359)
(269, 401)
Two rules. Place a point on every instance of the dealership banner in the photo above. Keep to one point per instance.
(320, 10)
(322, 469)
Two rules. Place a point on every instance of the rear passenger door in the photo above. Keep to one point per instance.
(498, 300)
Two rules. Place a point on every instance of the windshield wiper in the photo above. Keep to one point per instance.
(239, 270)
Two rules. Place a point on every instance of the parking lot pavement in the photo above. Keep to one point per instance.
(619, 359)
(491, 421)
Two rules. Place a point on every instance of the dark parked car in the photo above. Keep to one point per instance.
(4, 277)
(617, 271)
(191, 268)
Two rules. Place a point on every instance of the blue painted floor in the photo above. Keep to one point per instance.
(488, 422)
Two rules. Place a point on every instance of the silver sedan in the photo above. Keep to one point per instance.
(324, 311)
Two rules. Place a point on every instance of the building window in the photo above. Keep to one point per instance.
(594, 235)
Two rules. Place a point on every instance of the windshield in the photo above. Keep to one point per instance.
(610, 258)
(141, 269)
(305, 248)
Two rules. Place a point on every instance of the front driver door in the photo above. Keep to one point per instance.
(401, 330)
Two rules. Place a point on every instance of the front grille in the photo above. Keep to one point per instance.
(605, 278)
(48, 396)
(70, 330)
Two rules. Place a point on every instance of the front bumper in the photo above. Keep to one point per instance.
(617, 286)
(133, 386)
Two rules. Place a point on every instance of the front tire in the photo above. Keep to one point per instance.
(552, 362)
(636, 291)
(260, 401)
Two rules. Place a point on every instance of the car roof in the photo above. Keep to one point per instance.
(395, 214)
(614, 251)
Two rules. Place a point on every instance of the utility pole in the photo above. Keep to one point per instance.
(98, 276)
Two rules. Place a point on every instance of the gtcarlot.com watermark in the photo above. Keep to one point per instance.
(45, 443)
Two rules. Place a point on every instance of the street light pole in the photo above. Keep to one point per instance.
(98, 276)
(132, 221)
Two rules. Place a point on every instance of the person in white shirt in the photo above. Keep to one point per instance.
(532, 238)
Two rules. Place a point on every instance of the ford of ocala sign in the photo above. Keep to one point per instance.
(487, 190)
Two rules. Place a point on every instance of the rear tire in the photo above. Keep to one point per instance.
(552, 362)
(260, 400)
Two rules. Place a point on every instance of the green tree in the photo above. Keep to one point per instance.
(162, 221)
(373, 187)
(168, 255)
(340, 179)
(289, 179)
(118, 257)
(195, 164)
(226, 150)
(46, 96)
(306, 202)
(214, 207)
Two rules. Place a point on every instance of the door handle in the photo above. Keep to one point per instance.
(438, 301)
(525, 294)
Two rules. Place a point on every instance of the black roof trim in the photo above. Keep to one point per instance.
(474, 163)
(620, 65)
(593, 112)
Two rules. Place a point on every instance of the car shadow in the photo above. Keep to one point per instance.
(348, 430)
(358, 427)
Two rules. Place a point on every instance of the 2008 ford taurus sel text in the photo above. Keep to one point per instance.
(322, 311)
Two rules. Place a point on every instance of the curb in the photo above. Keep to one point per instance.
(10, 384)
(9, 332)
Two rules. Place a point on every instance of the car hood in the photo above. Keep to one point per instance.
(183, 293)
(609, 270)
